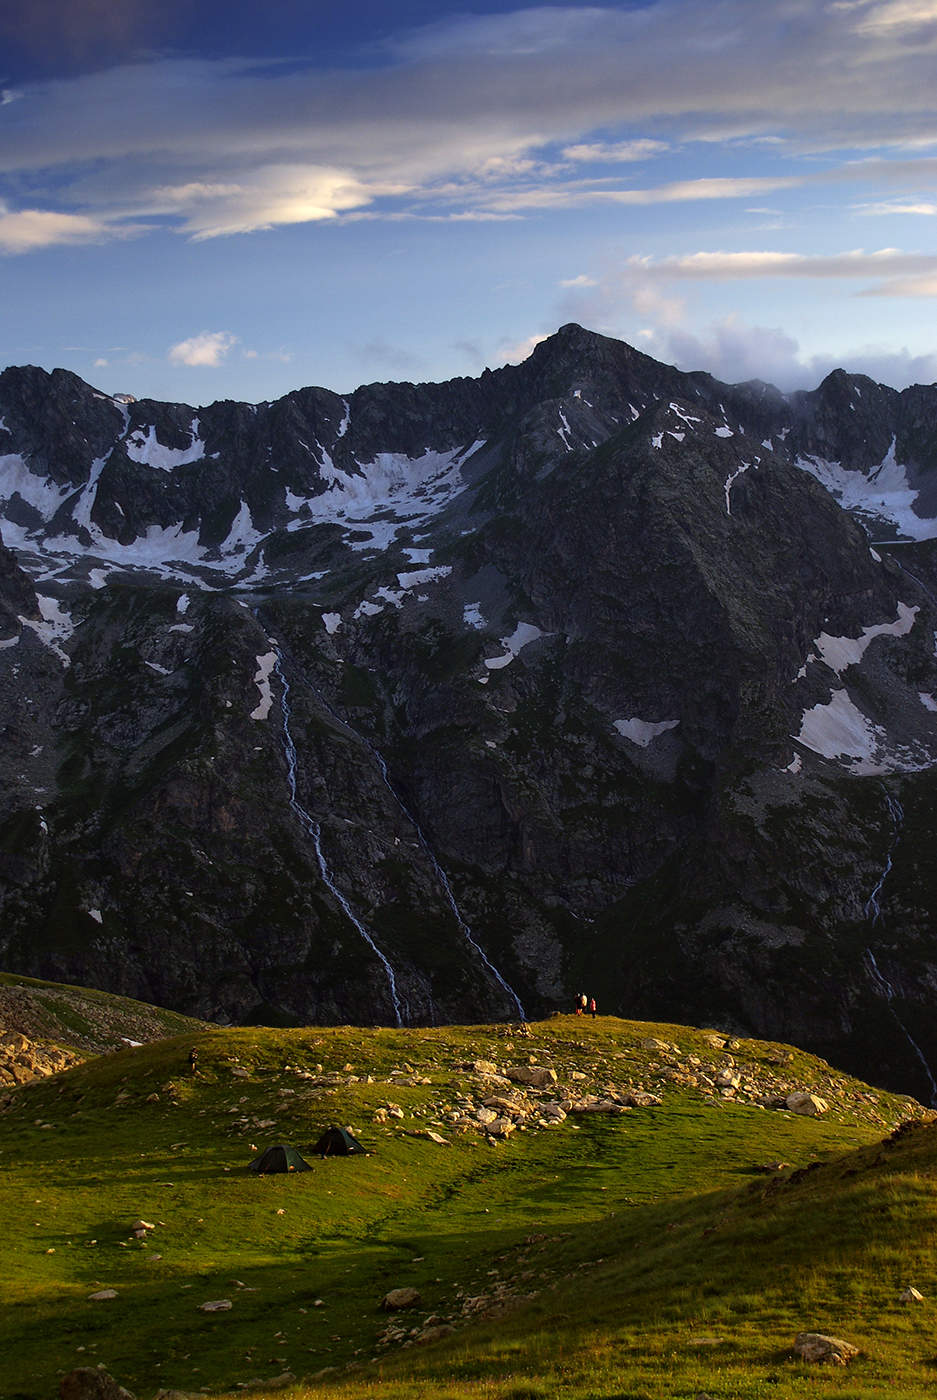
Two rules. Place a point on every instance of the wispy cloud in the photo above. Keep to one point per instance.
(887, 271)
(208, 349)
(595, 151)
(24, 230)
(475, 116)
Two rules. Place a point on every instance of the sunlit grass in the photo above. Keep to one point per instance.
(617, 1256)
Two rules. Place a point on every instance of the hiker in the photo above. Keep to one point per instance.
(592, 1007)
(580, 1003)
(193, 1061)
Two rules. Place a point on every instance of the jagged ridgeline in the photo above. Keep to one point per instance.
(448, 702)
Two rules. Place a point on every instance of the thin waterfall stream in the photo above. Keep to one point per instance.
(442, 877)
(873, 913)
(315, 831)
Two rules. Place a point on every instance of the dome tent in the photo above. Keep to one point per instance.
(280, 1158)
(337, 1142)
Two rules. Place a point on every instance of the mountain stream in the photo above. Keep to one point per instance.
(314, 830)
(444, 882)
(873, 912)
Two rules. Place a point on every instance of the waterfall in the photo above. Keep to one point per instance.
(442, 877)
(886, 990)
(873, 909)
(873, 912)
(315, 831)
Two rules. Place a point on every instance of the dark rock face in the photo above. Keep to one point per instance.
(445, 701)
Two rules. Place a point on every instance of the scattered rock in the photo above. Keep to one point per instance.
(400, 1298)
(821, 1349)
(811, 1105)
(217, 1305)
(90, 1383)
(536, 1076)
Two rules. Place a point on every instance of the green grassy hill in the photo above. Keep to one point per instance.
(665, 1249)
(82, 1019)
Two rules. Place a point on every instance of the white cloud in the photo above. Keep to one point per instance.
(24, 230)
(891, 15)
(615, 150)
(890, 271)
(581, 281)
(734, 350)
(466, 115)
(514, 354)
(276, 194)
(897, 206)
(207, 349)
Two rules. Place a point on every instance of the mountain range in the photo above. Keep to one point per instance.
(448, 702)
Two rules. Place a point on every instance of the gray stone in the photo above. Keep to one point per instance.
(91, 1383)
(817, 1347)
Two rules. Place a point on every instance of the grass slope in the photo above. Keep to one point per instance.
(642, 1254)
(82, 1019)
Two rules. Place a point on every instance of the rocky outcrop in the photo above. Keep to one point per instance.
(22, 1060)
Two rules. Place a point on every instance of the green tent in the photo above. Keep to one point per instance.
(279, 1159)
(337, 1142)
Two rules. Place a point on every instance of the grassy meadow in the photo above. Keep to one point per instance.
(657, 1253)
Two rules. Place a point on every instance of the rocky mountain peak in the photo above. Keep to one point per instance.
(434, 702)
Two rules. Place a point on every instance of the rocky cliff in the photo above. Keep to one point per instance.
(439, 702)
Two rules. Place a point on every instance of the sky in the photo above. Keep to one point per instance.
(232, 200)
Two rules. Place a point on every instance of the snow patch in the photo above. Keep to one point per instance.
(841, 652)
(143, 446)
(724, 431)
(928, 701)
(418, 577)
(56, 626)
(265, 665)
(795, 764)
(730, 479)
(523, 634)
(182, 604)
(643, 732)
(43, 494)
(472, 616)
(840, 731)
(96, 915)
(885, 492)
(331, 622)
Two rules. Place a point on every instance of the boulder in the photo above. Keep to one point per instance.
(810, 1105)
(90, 1383)
(535, 1076)
(821, 1349)
(216, 1305)
(501, 1128)
(910, 1295)
(399, 1298)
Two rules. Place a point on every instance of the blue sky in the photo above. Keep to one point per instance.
(201, 201)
